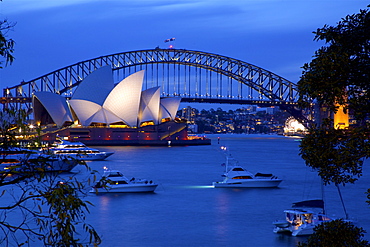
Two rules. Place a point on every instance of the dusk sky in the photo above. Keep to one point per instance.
(273, 34)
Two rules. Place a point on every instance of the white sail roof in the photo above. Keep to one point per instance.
(84, 109)
(169, 107)
(96, 86)
(89, 112)
(96, 100)
(124, 99)
(149, 105)
(55, 105)
(104, 116)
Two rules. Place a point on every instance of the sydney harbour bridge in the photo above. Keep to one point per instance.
(195, 76)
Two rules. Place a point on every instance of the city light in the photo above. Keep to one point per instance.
(293, 126)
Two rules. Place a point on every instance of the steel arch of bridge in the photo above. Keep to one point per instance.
(192, 75)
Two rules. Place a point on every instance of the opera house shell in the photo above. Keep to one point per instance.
(102, 113)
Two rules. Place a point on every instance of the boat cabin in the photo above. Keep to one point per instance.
(111, 174)
(299, 217)
(238, 172)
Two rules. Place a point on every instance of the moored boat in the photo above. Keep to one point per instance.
(78, 150)
(300, 221)
(114, 181)
(236, 176)
(25, 159)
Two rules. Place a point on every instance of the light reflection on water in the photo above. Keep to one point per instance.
(198, 187)
(186, 210)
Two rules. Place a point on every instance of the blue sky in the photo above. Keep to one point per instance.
(273, 34)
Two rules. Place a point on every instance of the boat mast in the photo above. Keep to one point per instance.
(341, 199)
(226, 151)
(323, 196)
(227, 163)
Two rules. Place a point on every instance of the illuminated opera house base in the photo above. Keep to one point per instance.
(165, 134)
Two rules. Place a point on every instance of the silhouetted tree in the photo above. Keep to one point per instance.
(6, 44)
(38, 206)
(339, 74)
(336, 233)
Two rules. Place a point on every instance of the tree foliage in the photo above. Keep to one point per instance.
(340, 71)
(6, 44)
(339, 74)
(38, 206)
(45, 209)
(337, 156)
(336, 233)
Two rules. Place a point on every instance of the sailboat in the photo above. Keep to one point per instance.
(305, 216)
(302, 218)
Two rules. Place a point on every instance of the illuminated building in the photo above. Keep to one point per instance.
(101, 113)
(341, 119)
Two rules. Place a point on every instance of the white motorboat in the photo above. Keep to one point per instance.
(78, 150)
(114, 181)
(17, 156)
(238, 177)
(300, 221)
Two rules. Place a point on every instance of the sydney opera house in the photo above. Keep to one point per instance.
(102, 113)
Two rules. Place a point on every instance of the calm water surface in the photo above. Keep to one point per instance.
(186, 211)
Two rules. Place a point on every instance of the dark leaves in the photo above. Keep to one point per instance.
(336, 233)
(339, 75)
(337, 155)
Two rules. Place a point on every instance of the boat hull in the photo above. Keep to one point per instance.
(302, 230)
(89, 156)
(131, 188)
(282, 230)
(250, 183)
(46, 163)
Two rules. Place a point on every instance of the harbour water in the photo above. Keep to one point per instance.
(186, 211)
